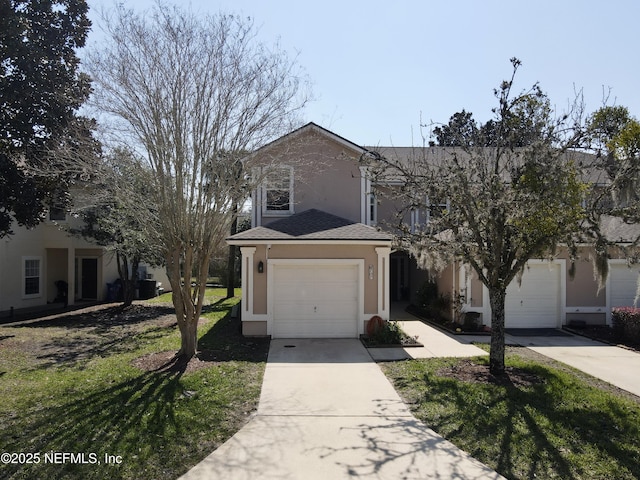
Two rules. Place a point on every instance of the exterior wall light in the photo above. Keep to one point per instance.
(260, 266)
(370, 272)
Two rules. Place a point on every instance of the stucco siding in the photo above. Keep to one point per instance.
(326, 175)
(254, 329)
(58, 253)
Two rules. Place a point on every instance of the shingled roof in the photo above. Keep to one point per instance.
(312, 225)
(617, 230)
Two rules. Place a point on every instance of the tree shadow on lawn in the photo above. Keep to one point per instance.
(531, 420)
(224, 340)
(143, 412)
(109, 420)
(101, 318)
(108, 331)
(81, 337)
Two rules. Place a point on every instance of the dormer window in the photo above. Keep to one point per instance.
(278, 191)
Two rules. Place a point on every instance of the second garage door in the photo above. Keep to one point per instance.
(315, 300)
(536, 302)
(623, 284)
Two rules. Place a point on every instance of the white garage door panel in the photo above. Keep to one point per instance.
(536, 302)
(623, 284)
(315, 301)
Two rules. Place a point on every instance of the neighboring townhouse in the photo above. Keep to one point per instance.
(319, 261)
(46, 265)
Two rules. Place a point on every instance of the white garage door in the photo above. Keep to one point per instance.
(623, 284)
(536, 302)
(315, 301)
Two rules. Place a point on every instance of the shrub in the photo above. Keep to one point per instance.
(386, 332)
(626, 323)
(428, 294)
(432, 302)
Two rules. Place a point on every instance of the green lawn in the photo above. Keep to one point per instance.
(212, 295)
(69, 385)
(564, 425)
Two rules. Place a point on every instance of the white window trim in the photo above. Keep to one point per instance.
(446, 205)
(372, 209)
(421, 217)
(24, 277)
(263, 195)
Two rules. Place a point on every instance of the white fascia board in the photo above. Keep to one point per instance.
(380, 243)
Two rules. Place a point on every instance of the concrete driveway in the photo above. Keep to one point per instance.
(614, 365)
(328, 412)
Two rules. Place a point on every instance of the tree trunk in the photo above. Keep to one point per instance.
(130, 284)
(127, 279)
(496, 353)
(231, 272)
(179, 297)
(231, 262)
(189, 338)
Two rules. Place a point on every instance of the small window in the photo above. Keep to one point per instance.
(437, 210)
(423, 215)
(32, 277)
(57, 214)
(278, 190)
(373, 209)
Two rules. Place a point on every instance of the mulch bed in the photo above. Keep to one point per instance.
(168, 362)
(469, 371)
(605, 334)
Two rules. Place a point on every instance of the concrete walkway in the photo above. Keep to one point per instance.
(435, 343)
(328, 412)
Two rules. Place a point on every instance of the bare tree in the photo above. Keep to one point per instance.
(193, 92)
(494, 203)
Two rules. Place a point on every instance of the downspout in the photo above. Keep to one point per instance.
(454, 294)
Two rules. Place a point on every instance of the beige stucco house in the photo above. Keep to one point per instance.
(33, 261)
(317, 262)
(313, 265)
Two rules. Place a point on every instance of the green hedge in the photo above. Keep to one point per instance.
(626, 323)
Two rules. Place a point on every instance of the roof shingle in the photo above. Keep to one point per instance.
(313, 225)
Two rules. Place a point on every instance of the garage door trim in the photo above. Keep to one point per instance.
(614, 265)
(559, 263)
(302, 262)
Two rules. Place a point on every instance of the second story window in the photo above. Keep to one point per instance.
(278, 191)
(57, 214)
(372, 209)
(424, 215)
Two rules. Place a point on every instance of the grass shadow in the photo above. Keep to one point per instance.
(74, 340)
(162, 420)
(224, 340)
(102, 319)
(544, 430)
(106, 421)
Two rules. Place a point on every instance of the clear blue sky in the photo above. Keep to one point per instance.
(378, 67)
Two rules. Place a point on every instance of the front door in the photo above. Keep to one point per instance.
(399, 278)
(90, 278)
